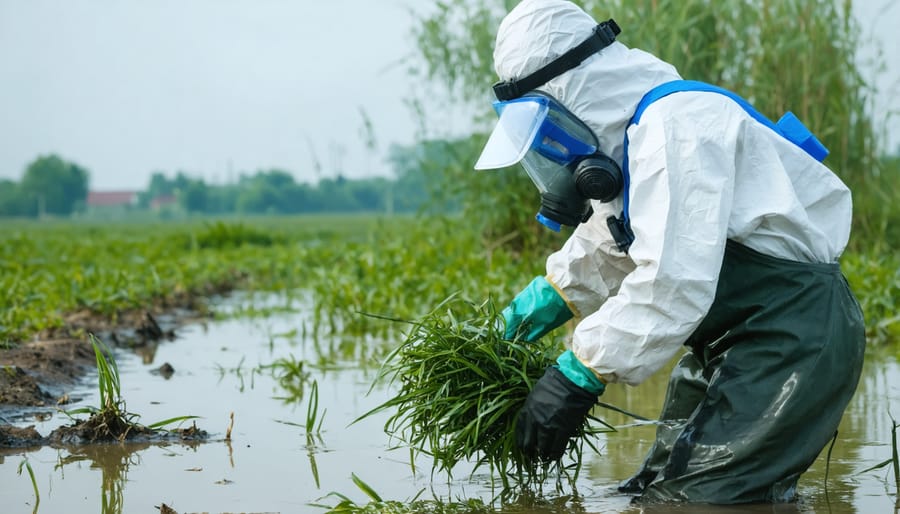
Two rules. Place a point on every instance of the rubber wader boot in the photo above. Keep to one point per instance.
(762, 390)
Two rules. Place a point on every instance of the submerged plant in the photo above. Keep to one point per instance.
(461, 386)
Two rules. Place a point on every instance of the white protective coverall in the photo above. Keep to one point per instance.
(702, 171)
(737, 235)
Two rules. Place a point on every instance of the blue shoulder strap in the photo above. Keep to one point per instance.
(789, 126)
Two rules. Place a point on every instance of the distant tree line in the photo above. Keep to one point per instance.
(275, 191)
(53, 186)
(49, 185)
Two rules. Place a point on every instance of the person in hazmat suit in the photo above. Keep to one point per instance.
(698, 223)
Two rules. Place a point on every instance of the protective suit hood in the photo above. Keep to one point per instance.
(603, 91)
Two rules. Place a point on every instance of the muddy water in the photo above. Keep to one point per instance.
(272, 465)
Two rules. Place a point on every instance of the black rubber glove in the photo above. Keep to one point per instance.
(553, 412)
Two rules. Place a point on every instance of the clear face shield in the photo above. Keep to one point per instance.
(558, 152)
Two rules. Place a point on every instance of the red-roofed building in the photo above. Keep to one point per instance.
(162, 201)
(107, 204)
(111, 198)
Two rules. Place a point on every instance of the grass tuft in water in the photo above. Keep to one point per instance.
(460, 388)
(112, 421)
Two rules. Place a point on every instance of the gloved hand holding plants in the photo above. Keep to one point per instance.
(464, 391)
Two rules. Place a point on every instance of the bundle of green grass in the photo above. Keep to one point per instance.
(461, 386)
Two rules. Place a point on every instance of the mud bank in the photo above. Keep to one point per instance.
(38, 376)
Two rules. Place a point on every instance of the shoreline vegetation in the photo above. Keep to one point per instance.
(135, 284)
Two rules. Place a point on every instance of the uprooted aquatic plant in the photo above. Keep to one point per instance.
(112, 421)
(460, 387)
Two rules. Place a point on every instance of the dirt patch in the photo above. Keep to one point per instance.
(98, 429)
(106, 426)
(13, 437)
(40, 374)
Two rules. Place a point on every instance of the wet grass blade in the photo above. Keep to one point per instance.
(37, 494)
(877, 466)
(108, 381)
(365, 488)
(170, 421)
(894, 459)
(312, 411)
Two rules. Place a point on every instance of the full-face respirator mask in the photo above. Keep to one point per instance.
(558, 151)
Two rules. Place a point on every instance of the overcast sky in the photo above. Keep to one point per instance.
(125, 87)
(218, 87)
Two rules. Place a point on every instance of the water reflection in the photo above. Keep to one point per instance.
(113, 460)
(312, 442)
(281, 454)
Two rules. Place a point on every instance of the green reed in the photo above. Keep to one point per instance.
(313, 418)
(37, 494)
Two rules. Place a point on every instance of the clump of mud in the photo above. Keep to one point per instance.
(38, 373)
(19, 388)
(101, 427)
(15, 437)
(112, 426)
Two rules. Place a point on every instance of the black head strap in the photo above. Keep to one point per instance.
(603, 36)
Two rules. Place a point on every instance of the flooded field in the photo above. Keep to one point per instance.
(252, 368)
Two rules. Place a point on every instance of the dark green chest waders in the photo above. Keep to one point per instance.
(763, 388)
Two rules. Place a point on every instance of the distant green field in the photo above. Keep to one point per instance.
(397, 266)
(352, 265)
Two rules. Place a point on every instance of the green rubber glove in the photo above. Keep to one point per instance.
(579, 374)
(536, 310)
